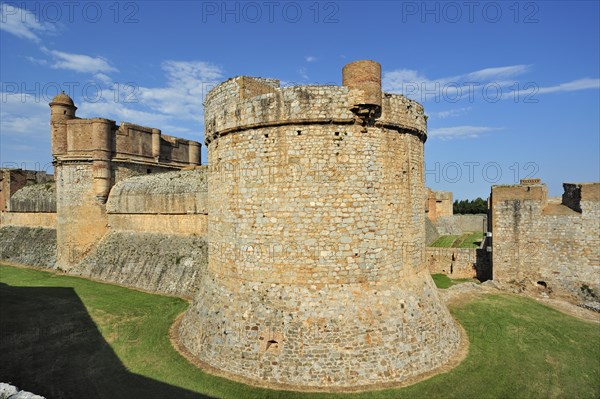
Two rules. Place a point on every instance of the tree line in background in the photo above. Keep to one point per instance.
(478, 205)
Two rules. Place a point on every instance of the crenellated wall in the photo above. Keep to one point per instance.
(535, 239)
(90, 157)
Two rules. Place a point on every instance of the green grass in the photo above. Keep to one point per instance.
(444, 241)
(443, 281)
(467, 240)
(519, 348)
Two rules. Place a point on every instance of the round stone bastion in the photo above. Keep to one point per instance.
(316, 274)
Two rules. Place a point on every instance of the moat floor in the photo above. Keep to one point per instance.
(67, 337)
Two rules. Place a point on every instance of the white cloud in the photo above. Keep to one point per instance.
(173, 108)
(188, 82)
(79, 62)
(497, 73)
(450, 113)
(107, 80)
(167, 107)
(579, 84)
(39, 61)
(489, 84)
(417, 86)
(303, 73)
(310, 58)
(449, 133)
(22, 23)
(24, 115)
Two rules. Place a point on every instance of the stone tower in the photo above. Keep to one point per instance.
(89, 157)
(316, 274)
(62, 109)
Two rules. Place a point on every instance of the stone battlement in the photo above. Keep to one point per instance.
(245, 103)
(127, 142)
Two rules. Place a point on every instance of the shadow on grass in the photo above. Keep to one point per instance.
(50, 345)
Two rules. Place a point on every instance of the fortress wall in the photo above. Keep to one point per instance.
(29, 219)
(400, 111)
(12, 180)
(439, 260)
(137, 141)
(162, 263)
(311, 198)
(472, 223)
(155, 237)
(131, 142)
(431, 232)
(34, 198)
(81, 217)
(160, 224)
(167, 203)
(539, 241)
(28, 245)
(179, 192)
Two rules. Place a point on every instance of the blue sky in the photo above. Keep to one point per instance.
(512, 89)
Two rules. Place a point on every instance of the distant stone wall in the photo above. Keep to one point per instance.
(537, 240)
(35, 198)
(438, 204)
(454, 262)
(459, 224)
(12, 180)
(471, 223)
(179, 192)
(431, 232)
(160, 263)
(447, 225)
(28, 246)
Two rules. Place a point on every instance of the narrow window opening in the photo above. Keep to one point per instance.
(271, 343)
(299, 132)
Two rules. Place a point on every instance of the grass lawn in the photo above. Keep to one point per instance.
(443, 281)
(467, 240)
(100, 340)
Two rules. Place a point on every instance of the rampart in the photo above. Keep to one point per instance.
(90, 157)
(535, 239)
(12, 180)
(120, 196)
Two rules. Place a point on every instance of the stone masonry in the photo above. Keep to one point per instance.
(302, 243)
(90, 156)
(439, 203)
(536, 239)
(316, 272)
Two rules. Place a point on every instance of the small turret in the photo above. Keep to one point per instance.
(62, 109)
(363, 78)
